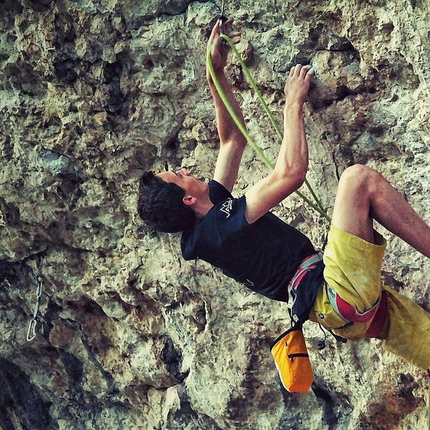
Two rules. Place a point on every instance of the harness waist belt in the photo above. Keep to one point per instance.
(306, 265)
(346, 311)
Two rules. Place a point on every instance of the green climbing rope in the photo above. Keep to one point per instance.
(317, 205)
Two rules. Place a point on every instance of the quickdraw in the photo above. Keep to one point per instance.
(31, 330)
(222, 9)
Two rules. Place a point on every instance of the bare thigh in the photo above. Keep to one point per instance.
(351, 212)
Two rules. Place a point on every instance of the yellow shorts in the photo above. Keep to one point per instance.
(353, 270)
(407, 330)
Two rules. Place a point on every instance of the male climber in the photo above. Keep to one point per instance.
(342, 292)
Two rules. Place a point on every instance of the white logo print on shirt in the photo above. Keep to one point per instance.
(226, 207)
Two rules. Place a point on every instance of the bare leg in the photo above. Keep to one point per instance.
(364, 195)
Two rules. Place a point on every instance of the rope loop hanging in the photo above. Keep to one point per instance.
(315, 204)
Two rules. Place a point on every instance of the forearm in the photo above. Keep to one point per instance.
(227, 128)
(293, 155)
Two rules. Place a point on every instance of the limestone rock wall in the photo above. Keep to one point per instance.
(130, 336)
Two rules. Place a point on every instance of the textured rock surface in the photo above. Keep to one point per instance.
(93, 92)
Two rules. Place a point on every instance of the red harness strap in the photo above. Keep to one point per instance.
(306, 265)
(376, 313)
(347, 311)
(379, 320)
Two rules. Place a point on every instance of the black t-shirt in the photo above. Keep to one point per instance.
(264, 255)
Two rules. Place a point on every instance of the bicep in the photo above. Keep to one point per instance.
(227, 165)
(267, 193)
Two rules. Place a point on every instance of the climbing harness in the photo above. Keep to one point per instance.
(306, 265)
(346, 311)
(377, 313)
(31, 331)
(260, 153)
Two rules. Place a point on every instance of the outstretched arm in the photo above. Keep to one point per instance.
(292, 162)
(232, 142)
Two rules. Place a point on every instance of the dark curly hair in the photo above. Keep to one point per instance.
(161, 205)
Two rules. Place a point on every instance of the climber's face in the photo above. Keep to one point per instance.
(189, 183)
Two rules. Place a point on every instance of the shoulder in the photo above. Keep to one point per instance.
(226, 217)
(217, 192)
(224, 222)
(226, 207)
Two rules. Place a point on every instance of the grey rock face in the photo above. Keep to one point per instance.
(130, 336)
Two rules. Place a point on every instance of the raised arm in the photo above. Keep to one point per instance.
(232, 142)
(292, 162)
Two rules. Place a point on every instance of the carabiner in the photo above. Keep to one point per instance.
(31, 331)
